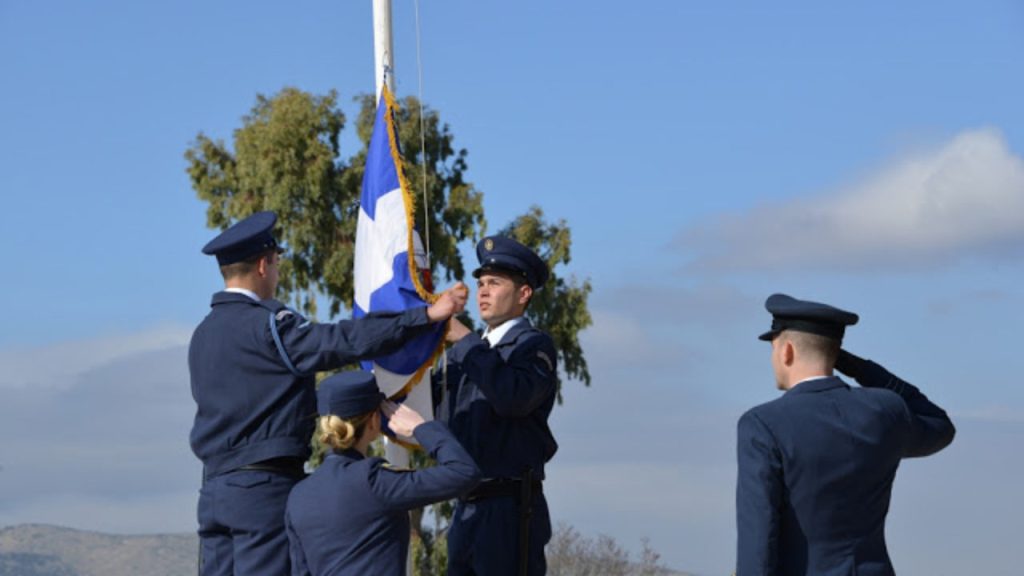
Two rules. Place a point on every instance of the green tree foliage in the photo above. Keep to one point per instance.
(285, 160)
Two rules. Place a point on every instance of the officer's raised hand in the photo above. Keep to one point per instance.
(451, 302)
(401, 419)
(849, 364)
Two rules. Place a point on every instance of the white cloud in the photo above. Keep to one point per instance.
(708, 304)
(56, 365)
(963, 198)
(615, 337)
(97, 436)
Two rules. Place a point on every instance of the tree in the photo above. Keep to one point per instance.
(572, 554)
(285, 160)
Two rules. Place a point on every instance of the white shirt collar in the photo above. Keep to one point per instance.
(245, 291)
(494, 336)
(809, 379)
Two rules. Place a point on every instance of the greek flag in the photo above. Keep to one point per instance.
(390, 265)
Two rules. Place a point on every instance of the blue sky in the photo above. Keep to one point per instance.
(705, 154)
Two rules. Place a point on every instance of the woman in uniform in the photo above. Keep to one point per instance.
(351, 516)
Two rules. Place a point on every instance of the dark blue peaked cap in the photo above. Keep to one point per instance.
(801, 315)
(247, 238)
(348, 394)
(504, 254)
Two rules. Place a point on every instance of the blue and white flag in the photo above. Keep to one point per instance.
(390, 263)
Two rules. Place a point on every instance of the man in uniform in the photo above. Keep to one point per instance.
(500, 389)
(816, 465)
(252, 363)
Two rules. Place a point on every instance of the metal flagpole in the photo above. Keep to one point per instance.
(384, 72)
(383, 48)
(383, 57)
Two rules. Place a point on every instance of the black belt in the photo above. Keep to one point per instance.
(288, 466)
(496, 487)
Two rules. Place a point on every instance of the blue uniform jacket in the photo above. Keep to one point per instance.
(816, 468)
(498, 400)
(252, 366)
(351, 516)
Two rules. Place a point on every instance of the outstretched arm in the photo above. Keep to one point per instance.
(313, 347)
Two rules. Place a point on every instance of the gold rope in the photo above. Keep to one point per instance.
(410, 213)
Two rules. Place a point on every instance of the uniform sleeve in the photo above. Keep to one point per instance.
(515, 387)
(931, 428)
(312, 347)
(295, 551)
(455, 473)
(759, 498)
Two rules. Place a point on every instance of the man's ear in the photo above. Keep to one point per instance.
(788, 353)
(525, 293)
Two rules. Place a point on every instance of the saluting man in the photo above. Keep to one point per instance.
(816, 465)
(501, 387)
(252, 363)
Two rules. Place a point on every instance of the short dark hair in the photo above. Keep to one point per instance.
(518, 281)
(236, 269)
(815, 346)
(533, 292)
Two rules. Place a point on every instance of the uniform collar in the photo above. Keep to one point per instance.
(224, 297)
(245, 291)
(350, 454)
(495, 336)
(818, 384)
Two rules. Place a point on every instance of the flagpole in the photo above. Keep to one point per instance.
(383, 48)
(384, 70)
(384, 73)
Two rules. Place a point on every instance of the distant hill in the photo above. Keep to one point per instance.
(41, 550)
